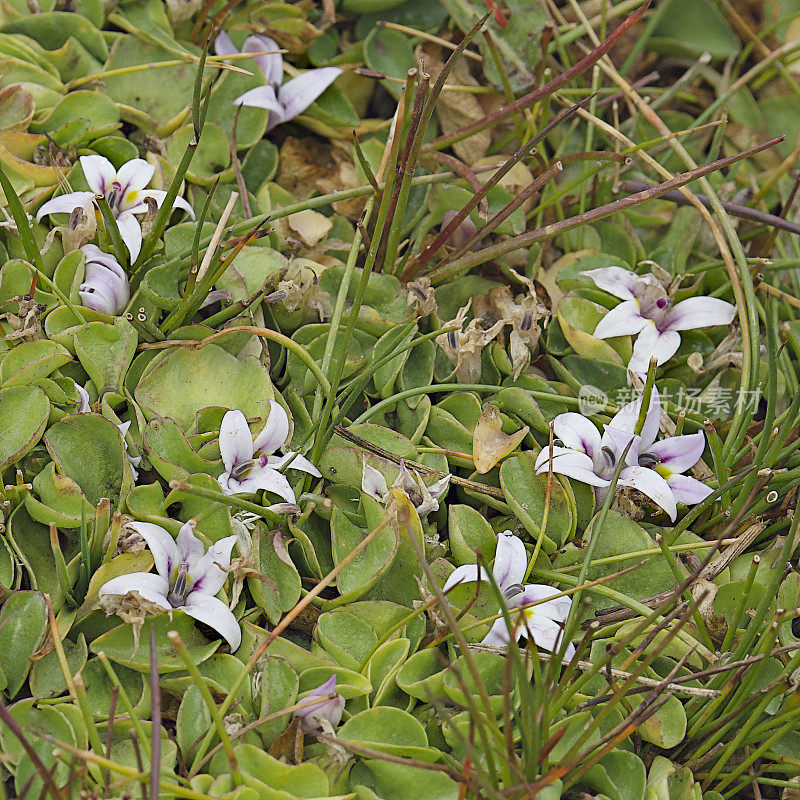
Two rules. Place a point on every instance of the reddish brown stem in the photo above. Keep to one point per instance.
(415, 265)
(460, 168)
(543, 91)
(601, 212)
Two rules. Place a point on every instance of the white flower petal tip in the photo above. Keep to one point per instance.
(299, 93)
(188, 576)
(373, 483)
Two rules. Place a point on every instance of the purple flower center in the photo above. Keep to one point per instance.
(662, 302)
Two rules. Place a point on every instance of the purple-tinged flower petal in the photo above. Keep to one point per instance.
(299, 93)
(570, 463)
(577, 433)
(498, 634)
(105, 285)
(131, 232)
(328, 708)
(653, 343)
(618, 281)
(293, 460)
(134, 175)
(165, 552)
(235, 441)
(463, 233)
(98, 299)
(699, 312)
(208, 572)
(626, 418)
(510, 560)
(272, 64)
(554, 607)
(189, 546)
(373, 483)
(65, 204)
(678, 453)
(269, 479)
(688, 491)
(275, 432)
(158, 195)
(93, 253)
(98, 293)
(466, 573)
(617, 440)
(650, 483)
(214, 613)
(152, 587)
(99, 173)
(224, 46)
(264, 97)
(622, 320)
(215, 296)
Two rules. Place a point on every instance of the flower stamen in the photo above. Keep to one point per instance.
(177, 594)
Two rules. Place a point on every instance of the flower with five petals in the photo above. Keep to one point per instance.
(125, 192)
(187, 577)
(283, 101)
(250, 464)
(653, 468)
(646, 310)
(543, 622)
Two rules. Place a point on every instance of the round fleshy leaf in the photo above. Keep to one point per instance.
(23, 415)
(188, 380)
(23, 621)
(667, 727)
(89, 449)
(119, 645)
(47, 678)
(422, 675)
(526, 493)
(469, 531)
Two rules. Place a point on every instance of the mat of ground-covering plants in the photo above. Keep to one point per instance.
(399, 400)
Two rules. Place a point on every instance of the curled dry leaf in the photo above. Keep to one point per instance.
(310, 226)
(489, 443)
(522, 315)
(308, 166)
(180, 10)
(422, 297)
(301, 290)
(514, 181)
(704, 592)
